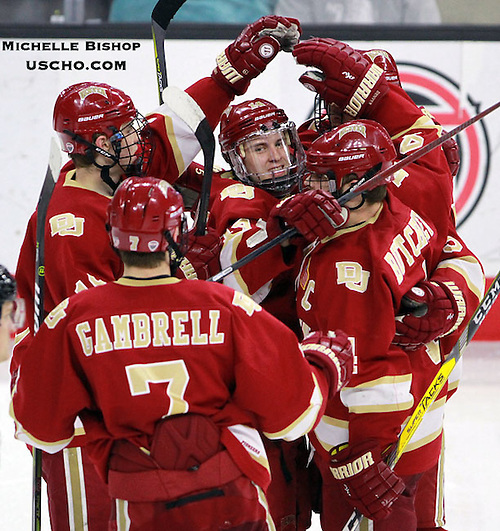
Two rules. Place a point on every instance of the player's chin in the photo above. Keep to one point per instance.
(280, 172)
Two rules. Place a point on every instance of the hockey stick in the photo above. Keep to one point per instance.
(436, 385)
(363, 185)
(53, 168)
(162, 14)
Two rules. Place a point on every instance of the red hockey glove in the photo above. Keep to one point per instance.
(253, 50)
(315, 214)
(452, 154)
(201, 259)
(386, 62)
(367, 482)
(333, 353)
(347, 78)
(436, 309)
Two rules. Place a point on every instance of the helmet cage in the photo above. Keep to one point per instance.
(135, 133)
(277, 182)
(326, 115)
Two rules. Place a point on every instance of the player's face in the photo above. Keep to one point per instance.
(126, 143)
(130, 139)
(13, 314)
(7, 310)
(266, 155)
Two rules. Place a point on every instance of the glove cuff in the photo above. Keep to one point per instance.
(368, 93)
(457, 300)
(325, 358)
(187, 270)
(227, 77)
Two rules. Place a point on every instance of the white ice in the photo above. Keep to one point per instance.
(472, 429)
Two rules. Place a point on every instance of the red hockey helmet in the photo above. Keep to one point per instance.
(145, 215)
(354, 147)
(88, 108)
(84, 109)
(260, 119)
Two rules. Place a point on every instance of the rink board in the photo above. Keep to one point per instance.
(454, 79)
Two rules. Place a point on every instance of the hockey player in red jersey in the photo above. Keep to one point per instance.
(359, 277)
(171, 379)
(426, 186)
(107, 139)
(267, 165)
(267, 161)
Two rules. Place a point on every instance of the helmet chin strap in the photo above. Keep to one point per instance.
(91, 148)
(362, 202)
(106, 177)
(366, 177)
(174, 252)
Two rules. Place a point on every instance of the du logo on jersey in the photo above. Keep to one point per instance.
(441, 97)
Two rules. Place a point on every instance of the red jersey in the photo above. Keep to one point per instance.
(426, 186)
(181, 346)
(78, 254)
(174, 143)
(239, 213)
(355, 282)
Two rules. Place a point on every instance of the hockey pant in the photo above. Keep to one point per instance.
(168, 489)
(295, 487)
(78, 498)
(429, 501)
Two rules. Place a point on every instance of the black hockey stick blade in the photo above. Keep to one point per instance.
(51, 174)
(161, 72)
(163, 12)
(363, 185)
(437, 384)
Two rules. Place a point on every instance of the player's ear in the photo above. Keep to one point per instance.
(102, 141)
